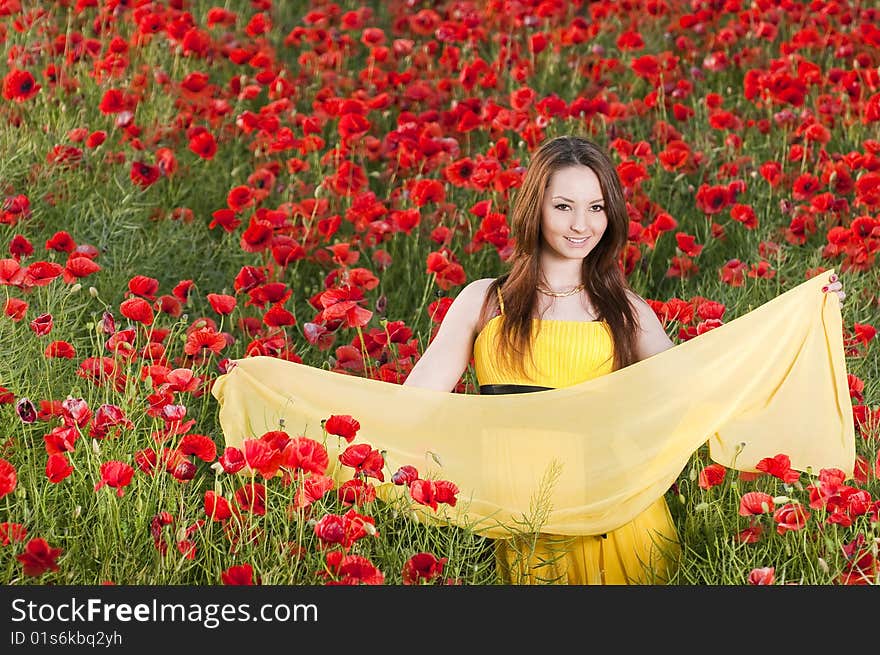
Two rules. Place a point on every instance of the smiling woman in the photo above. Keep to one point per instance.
(583, 419)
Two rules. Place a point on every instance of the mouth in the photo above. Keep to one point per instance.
(577, 242)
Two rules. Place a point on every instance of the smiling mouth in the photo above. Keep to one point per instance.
(577, 242)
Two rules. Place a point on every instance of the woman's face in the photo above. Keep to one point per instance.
(572, 214)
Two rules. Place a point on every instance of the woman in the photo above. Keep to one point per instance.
(565, 314)
(571, 481)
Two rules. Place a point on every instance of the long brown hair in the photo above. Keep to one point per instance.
(600, 272)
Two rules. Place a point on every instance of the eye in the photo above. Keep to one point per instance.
(594, 208)
(560, 205)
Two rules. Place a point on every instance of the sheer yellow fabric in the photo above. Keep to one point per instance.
(588, 458)
(643, 551)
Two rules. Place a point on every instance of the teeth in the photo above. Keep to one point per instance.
(577, 240)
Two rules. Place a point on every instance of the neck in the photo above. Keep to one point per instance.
(559, 274)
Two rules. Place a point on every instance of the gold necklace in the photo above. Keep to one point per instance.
(561, 294)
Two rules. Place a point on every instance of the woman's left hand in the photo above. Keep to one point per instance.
(836, 286)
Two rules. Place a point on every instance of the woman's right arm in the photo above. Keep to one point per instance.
(445, 359)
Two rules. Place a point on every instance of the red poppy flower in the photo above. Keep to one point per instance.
(138, 310)
(755, 502)
(750, 535)
(143, 286)
(41, 274)
(345, 529)
(353, 126)
(733, 273)
(312, 489)
(348, 179)
(430, 492)
(805, 186)
(221, 303)
(20, 247)
(146, 460)
(779, 467)
(12, 533)
(422, 567)
(61, 241)
(181, 290)
(199, 445)
(252, 498)
(232, 460)
(790, 517)
(42, 324)
(712, 475)
(424, 191)
(60, 349)
(342, 304)
(58, 467)
(263, 457)
(11, 272)
(216, 507)
(8, 477)
(26, 410)
(203, 144)
(107, 416)
(202, 340)
(75, 411)
(241, 574)
(342, 425)
(686, 243)
(352, 570)
(356, 492)
(364, 459)
(762, 576)
(182, 380)
(143, 174)
(115, 474)
(304, 454)
(448, 273)
(405, 475)
(19, 85)
(38, 557)
(62, 439)
(277, 316)
(15, 308)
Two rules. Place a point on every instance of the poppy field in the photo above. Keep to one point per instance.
(183, 184)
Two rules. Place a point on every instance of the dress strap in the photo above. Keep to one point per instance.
(500, 299)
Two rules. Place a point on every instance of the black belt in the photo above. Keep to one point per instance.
(510, 388)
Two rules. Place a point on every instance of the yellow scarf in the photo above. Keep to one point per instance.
(587, 458)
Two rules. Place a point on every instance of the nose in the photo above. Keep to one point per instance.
(578, 226)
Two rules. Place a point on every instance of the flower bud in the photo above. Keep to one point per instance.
(93, 291)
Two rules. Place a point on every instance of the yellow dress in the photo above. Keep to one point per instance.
(642, 551)
(596, 456)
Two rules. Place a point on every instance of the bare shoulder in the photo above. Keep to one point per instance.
(464, 314)
(652, 336)
(466, 305)
(640, 304)
(474, 292)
